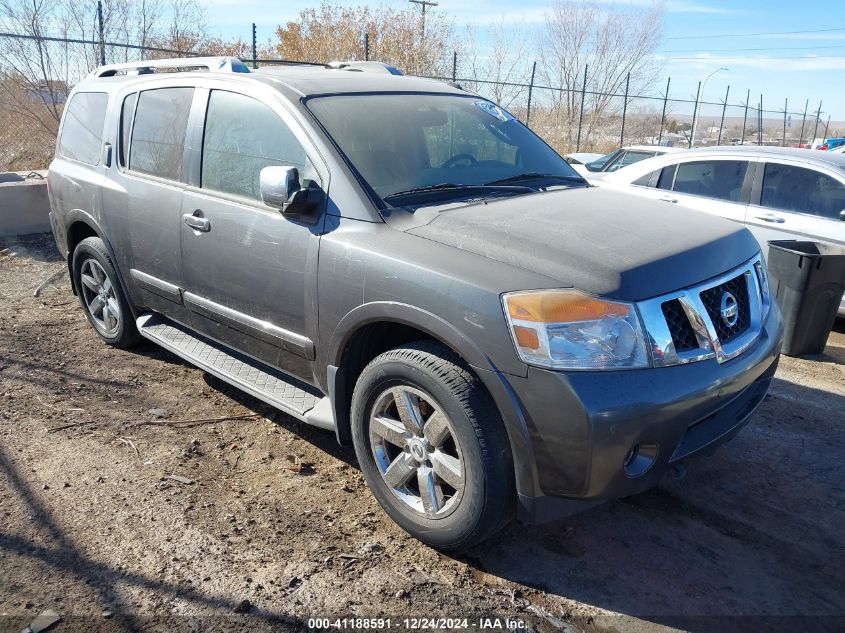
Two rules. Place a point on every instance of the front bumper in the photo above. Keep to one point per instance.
(582, 425)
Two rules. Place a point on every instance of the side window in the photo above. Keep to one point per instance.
(127, 111)
(719, 179)
(804, 190)
(242, 136)
(667, 177)
(158, 135)
(82, 131)
(645, 181)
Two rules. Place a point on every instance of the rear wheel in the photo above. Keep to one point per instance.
(100, 294)
(432, 446)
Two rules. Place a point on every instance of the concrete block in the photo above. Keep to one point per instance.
(24, 205)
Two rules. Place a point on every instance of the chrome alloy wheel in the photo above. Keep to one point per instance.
(99, 295)
(417, 451)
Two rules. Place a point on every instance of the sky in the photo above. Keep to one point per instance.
(784, 50)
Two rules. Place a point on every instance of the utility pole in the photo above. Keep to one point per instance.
(101, 31)
(424, 4)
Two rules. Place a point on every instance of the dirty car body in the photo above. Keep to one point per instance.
(554, 344)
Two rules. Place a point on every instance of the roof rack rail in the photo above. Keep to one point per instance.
(365, 67)
(213, 64)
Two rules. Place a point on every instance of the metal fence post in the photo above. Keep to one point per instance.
(694, 114)
(816, 128)
(722, 122)
(530, 92)
(663, 116)
(581, 115)
(366, 47)
(785, 108)
(254, 47)
(454, 65)
(624, 110)
(745, 116)
(760, 119)
(101, 32)
(803, 121)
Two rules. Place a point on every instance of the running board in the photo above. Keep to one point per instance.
(269, 385)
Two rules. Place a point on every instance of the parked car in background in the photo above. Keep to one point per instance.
(579, 159)
(408, 266)
(832, 143)
(779, 193)
(623, 157)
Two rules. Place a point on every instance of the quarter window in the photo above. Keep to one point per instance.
(126, 114)
(158, 135)
(82, 131)
(719, 179)
(242, 136)
(791, 188)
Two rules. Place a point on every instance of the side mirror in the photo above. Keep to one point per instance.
(842, 215)
(280, 188)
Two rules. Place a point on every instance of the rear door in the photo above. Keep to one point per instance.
(797, 201)
(250, 273)
(151, 179)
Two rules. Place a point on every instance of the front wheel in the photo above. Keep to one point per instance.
(432, 446)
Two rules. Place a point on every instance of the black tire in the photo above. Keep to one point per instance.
(486, 503)
(124, 334)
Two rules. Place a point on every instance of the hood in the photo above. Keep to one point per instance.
(600, 241)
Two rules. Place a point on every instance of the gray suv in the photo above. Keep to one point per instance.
(405, 264)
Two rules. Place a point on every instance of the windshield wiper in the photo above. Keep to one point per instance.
(450, 186)
(533, 175)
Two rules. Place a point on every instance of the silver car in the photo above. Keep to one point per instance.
(779, 193)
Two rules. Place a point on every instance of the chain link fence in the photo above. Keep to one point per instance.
(36, 74)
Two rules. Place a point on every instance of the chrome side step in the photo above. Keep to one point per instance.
(269, 385)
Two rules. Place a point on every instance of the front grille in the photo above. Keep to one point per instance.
(712, 300)
(683, 336)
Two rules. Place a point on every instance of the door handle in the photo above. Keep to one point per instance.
(197, 222)
(668, 199)
(775, 219)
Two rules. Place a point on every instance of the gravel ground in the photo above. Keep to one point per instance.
(276, 525)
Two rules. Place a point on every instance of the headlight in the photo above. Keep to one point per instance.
(566, 329)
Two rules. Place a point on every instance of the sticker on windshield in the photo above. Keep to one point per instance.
(494, 110)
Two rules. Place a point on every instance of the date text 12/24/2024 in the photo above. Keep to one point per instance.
(418, 624)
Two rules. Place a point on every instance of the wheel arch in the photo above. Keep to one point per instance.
(79, 226)
(374, 328)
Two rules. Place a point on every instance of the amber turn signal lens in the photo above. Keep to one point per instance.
(526, 337)
(560, 306)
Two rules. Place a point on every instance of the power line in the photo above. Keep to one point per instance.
(718, 35)
(769, 48)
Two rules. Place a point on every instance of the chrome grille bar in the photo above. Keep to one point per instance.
(662, 347)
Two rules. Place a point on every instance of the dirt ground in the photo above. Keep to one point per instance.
(276, 525)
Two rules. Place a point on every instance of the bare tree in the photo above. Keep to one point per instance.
(610, 43)
(334, 32)
(500, 64)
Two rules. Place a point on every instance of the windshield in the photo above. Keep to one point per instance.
(599, 163)
(404, 142)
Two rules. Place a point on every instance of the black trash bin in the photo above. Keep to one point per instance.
(808, 279)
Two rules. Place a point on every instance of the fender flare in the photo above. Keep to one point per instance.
(494, 380)
(78, 215)
(404, 314)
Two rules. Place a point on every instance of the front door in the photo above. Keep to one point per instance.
(250, 274)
